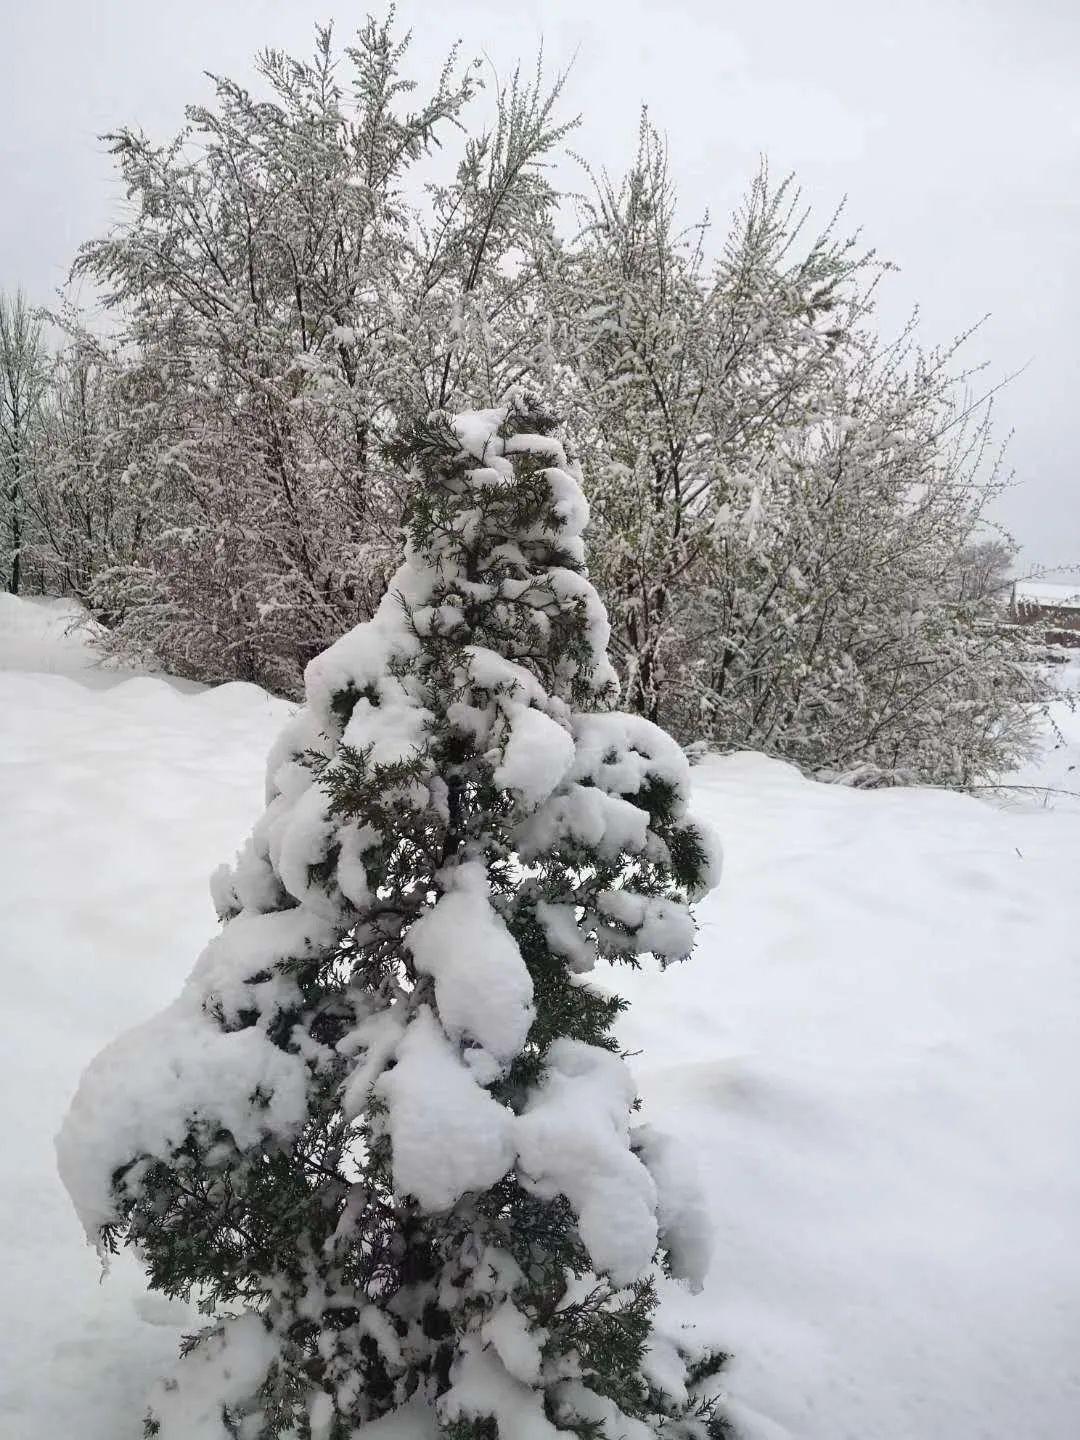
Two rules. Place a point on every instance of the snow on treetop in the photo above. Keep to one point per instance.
(427, 595)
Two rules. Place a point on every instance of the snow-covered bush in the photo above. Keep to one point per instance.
(833, 627)
(785, 507)
(384, 1134)
(91, 492)
(680, 367)
(23, 383)
(282, 305)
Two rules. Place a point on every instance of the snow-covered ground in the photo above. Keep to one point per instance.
(1053, 771)
(41, 635)
(875, 1055)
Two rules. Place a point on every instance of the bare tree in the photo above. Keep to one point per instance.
(789, 516)
(785, 506)
(23, 382)
(282, 306)
(984, 568)
(680, 371)
(89, 497)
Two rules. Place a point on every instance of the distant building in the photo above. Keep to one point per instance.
(1052, 607)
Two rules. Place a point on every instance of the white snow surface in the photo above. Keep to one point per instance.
(53, 636)
(1051, 777)
(874, 1056)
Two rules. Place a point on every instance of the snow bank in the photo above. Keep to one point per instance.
(45, 635)
(113, 798)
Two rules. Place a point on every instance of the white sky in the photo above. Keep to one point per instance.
(953, 126)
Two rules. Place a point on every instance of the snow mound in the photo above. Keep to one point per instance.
(44, 634)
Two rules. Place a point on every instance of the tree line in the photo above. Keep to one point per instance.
(789, 512)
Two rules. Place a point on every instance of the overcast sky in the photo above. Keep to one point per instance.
(952, 126)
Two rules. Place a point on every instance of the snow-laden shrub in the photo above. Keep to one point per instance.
(833, 624)
(281, 305)
(23, 384)
(384, 1134)
(784, 506)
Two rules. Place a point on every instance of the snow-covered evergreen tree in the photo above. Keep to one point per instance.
(384, 1135)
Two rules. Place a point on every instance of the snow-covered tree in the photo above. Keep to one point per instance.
(680, 369)
(88, 497)
(984, 567)
(23, 381)
(384, 1135)
(830, 627)
(287, 289)
(785, 506)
